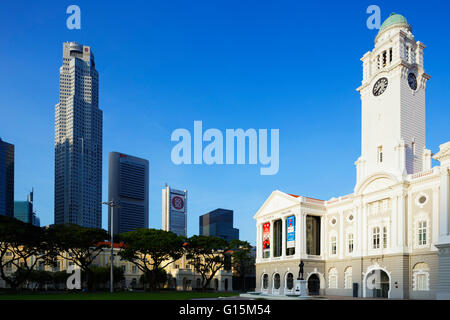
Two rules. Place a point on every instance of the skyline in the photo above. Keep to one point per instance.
(260, 64)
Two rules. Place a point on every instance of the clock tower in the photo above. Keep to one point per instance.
(393, 104)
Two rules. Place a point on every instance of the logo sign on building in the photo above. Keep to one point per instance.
(177, 202)
(290, 232)
(266, 236)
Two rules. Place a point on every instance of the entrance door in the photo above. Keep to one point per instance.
(377, 284)
(313, 285)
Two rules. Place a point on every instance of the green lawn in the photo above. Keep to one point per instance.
(115, 296)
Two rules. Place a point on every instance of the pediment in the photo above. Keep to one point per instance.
(375, 183)
(275, 202)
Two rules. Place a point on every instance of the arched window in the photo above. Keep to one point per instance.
(333, 278)
(276, 281)
(348, 278)
(265, 281)
(421, 277)
(289, 281)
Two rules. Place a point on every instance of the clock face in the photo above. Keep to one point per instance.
(380, 86)
(412, 81)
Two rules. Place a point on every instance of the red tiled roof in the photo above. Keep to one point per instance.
(116, 244)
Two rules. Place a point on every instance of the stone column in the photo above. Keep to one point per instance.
(283, 237)
(435, 219)
(341, 235)
(271, 239)
(443, 292)
(365, 231)
(298, 235)
(401, 222)
(303, 244)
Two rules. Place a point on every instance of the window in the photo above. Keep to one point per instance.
(276, 281)
(265, 281)
(290, 281)
(385, 237)
(277, 238)
(350, 242)
(422, 233)
(348, 278)
(333, 279)
(421, 277)
(421, 282)
(376, 238)
(333, 245)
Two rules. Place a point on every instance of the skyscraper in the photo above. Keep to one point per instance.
(218, 223)
(174, 211)
(128, 186)
(24, 211)
(6, 179)
(78, 140)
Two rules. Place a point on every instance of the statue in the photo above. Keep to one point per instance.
(300, 272)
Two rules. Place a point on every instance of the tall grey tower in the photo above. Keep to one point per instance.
(78, 140)
(128, 187)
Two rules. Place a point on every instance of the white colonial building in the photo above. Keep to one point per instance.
(390, 237)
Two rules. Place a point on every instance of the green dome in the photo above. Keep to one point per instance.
(394, 19)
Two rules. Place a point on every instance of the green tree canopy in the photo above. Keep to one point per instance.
(79, 244)
(151, 250)
(19, 242)
(207, 255)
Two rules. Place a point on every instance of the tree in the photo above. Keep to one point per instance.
(207, 255)
(243, 261)
(151, 250)
(101, 275)
(22, 248)
(80, 245)
(158, 276)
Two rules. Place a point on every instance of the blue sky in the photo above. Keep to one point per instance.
(232, 64)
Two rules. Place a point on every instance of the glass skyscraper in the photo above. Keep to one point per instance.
(78, 140)
(128, 187)
(6, 179)
(218, 223)
(24, 211)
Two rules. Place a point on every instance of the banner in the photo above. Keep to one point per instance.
(266, 236)
(290, 232)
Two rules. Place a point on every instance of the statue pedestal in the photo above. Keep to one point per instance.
(300, 287)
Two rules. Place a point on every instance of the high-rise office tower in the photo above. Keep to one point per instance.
(218, 223)
(6, 179)
(128, 188)
(78, 140)
(174, 211)
(24, 211)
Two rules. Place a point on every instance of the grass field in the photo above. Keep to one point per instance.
(115, 296)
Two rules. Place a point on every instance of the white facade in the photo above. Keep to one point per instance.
(384, 237)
